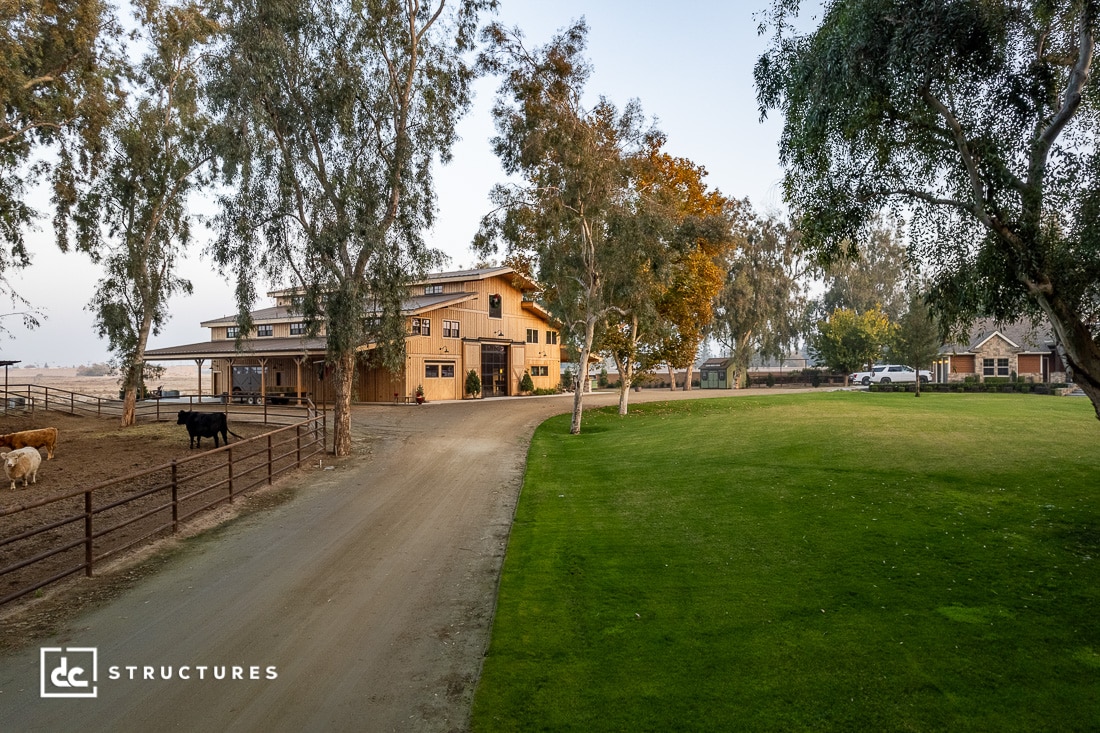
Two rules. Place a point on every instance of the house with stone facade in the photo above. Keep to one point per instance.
(1017, 351)
(486, 320)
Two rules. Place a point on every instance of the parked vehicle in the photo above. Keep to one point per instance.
(863, 378)
(898, 374)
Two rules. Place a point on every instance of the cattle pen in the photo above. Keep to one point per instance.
(48, 539)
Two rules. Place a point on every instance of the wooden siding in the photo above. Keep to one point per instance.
(962, 364)
(463, 352)
(1030, 364)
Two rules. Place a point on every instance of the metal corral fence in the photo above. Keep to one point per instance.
(57, 537)
(31, 398)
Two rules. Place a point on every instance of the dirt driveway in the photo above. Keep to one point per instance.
(361, 604)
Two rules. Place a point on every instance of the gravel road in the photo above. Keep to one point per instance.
(362, 604)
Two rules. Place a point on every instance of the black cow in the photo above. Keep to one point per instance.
(205, 425)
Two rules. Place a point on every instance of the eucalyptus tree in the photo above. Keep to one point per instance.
(337, 111)
(575, 166)
(134, 218)
(763, 303)
(60, 70)
(874, 276)
(976, 117)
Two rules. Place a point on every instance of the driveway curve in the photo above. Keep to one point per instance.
(362, 604)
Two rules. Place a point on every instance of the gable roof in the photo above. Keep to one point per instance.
(1022, 336)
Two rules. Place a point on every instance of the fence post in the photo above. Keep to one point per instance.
(229, 458)
(298, 447)
(269, 459)
(88, 533)
(175, 498)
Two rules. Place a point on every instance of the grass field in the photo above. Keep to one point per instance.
(840, 561)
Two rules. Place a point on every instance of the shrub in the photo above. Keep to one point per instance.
(98, 369)
(473, 382)
(526, 384)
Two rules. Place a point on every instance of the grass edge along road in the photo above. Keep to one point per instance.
(832, 561)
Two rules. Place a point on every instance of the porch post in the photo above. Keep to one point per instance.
(298, 381)
(263, 380)
(199, 362)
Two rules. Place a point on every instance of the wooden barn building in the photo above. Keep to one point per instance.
(484, 320)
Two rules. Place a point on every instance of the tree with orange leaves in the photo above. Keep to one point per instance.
(703, 235)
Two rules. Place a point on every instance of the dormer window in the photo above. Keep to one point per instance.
(232, 332)
(496, 309)
(298, 329)
(265, 330)
(433, 289)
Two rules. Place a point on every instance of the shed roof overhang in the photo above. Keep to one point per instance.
(249, 348)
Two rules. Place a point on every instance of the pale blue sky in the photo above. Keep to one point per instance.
(689, 64)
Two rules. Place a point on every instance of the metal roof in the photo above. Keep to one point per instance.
(254, 347)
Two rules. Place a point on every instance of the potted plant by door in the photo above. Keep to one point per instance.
(473, 383)
(420, 394)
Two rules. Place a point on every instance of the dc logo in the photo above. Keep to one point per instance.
(68, 671)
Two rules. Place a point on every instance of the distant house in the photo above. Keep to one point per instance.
(484, 320)
(716, 374)
(1017, 350)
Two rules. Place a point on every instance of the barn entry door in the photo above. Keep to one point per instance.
(494, 370)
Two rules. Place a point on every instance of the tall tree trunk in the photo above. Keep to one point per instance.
(582, 373)
(626, 376)
(135, 372)
(1081, 349)
(671, 377)
(687, 376)
(129, 395)
(742, 356)
(343, 376)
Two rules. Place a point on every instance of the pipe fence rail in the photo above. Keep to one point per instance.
(45, 541)
(30, 398)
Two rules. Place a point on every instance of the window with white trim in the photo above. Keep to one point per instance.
(551, 337)
(422, 326)
(532, 335)
(297, 329)
(232, 332)
(995, 367)
(450, 329)
(267, 330)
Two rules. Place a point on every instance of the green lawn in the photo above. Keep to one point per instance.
(836, 561)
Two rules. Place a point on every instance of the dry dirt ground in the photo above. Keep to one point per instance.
(89, 452)
(370, 586)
